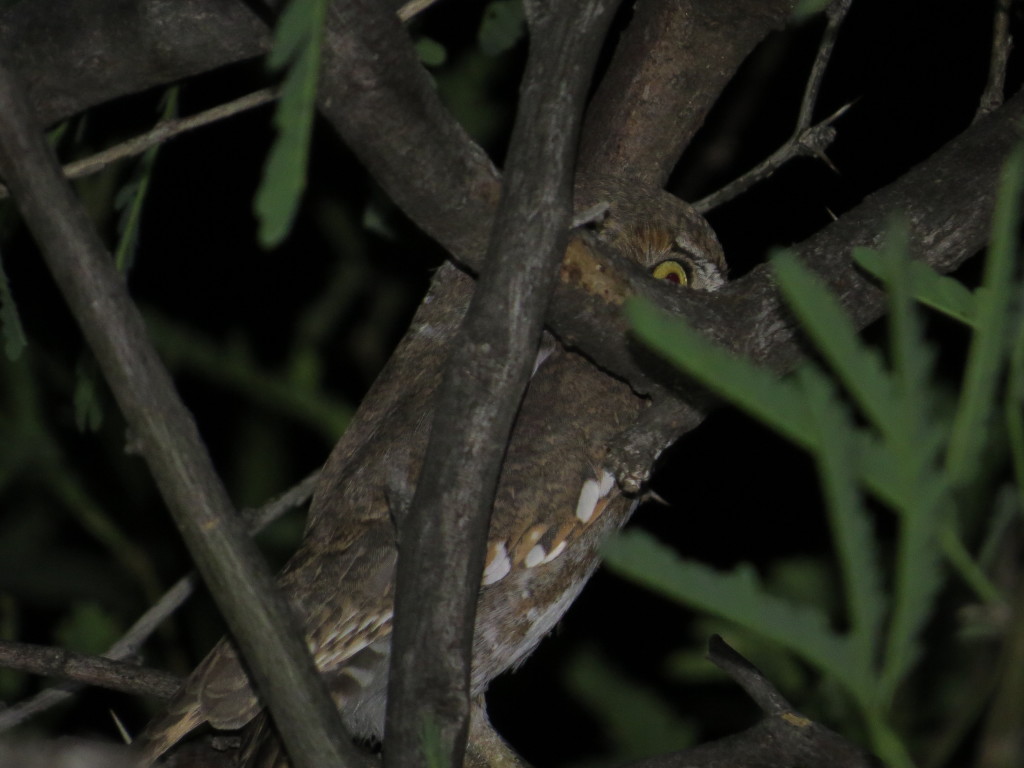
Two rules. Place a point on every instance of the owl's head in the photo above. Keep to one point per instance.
(664, 234)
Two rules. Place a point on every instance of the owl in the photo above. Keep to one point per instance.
(556, 502)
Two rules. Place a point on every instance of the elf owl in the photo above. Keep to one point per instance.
(556, 501)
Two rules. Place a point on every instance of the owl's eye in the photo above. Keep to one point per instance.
(673, 271)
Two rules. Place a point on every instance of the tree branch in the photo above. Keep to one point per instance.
(486, 374)
(385, 106)
(782, 738)
(1002, 43)
(75, 54)
(238, 578)
(667, 72)
(807, 138)
(86, 668)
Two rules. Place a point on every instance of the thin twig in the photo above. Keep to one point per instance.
(812, 141)
(806, 139)
(749, 677)
(413, 7)
(835, 13)
(259, 518)
(1002, 43)
(132, 640)
(161, 132)
(88, 669)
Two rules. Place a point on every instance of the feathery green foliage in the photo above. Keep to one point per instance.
(986, 359)
(297, 42)
(944, 294)
(132, 196)
(918, 457)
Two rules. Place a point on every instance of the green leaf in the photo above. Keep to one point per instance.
(915, 437)
(824, 320)
(88, 628)
(10, 322)
(297, 43)
(910, 369)
(1014, 406)
(915, 432)
(806, 8)
(987, 354)
(503, 26)
(739, 597)
(131, 197)
(943, 294)
(917, 581)
(848, 520)
(431, 52)
(434, 753)
(296, 27)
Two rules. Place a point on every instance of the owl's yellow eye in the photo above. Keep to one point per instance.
(671, 270)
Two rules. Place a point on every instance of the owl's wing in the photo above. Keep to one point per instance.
(217, 692)
(339, 625)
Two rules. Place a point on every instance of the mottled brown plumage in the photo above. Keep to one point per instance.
(554, 505)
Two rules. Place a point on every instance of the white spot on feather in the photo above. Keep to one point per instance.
(589, 495)
(555, 552)
(498, 563)
(535, 556)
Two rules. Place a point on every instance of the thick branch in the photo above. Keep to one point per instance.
(75, 54)
(672, 62)
(442, 540)
(385, 106)
(232, 566)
